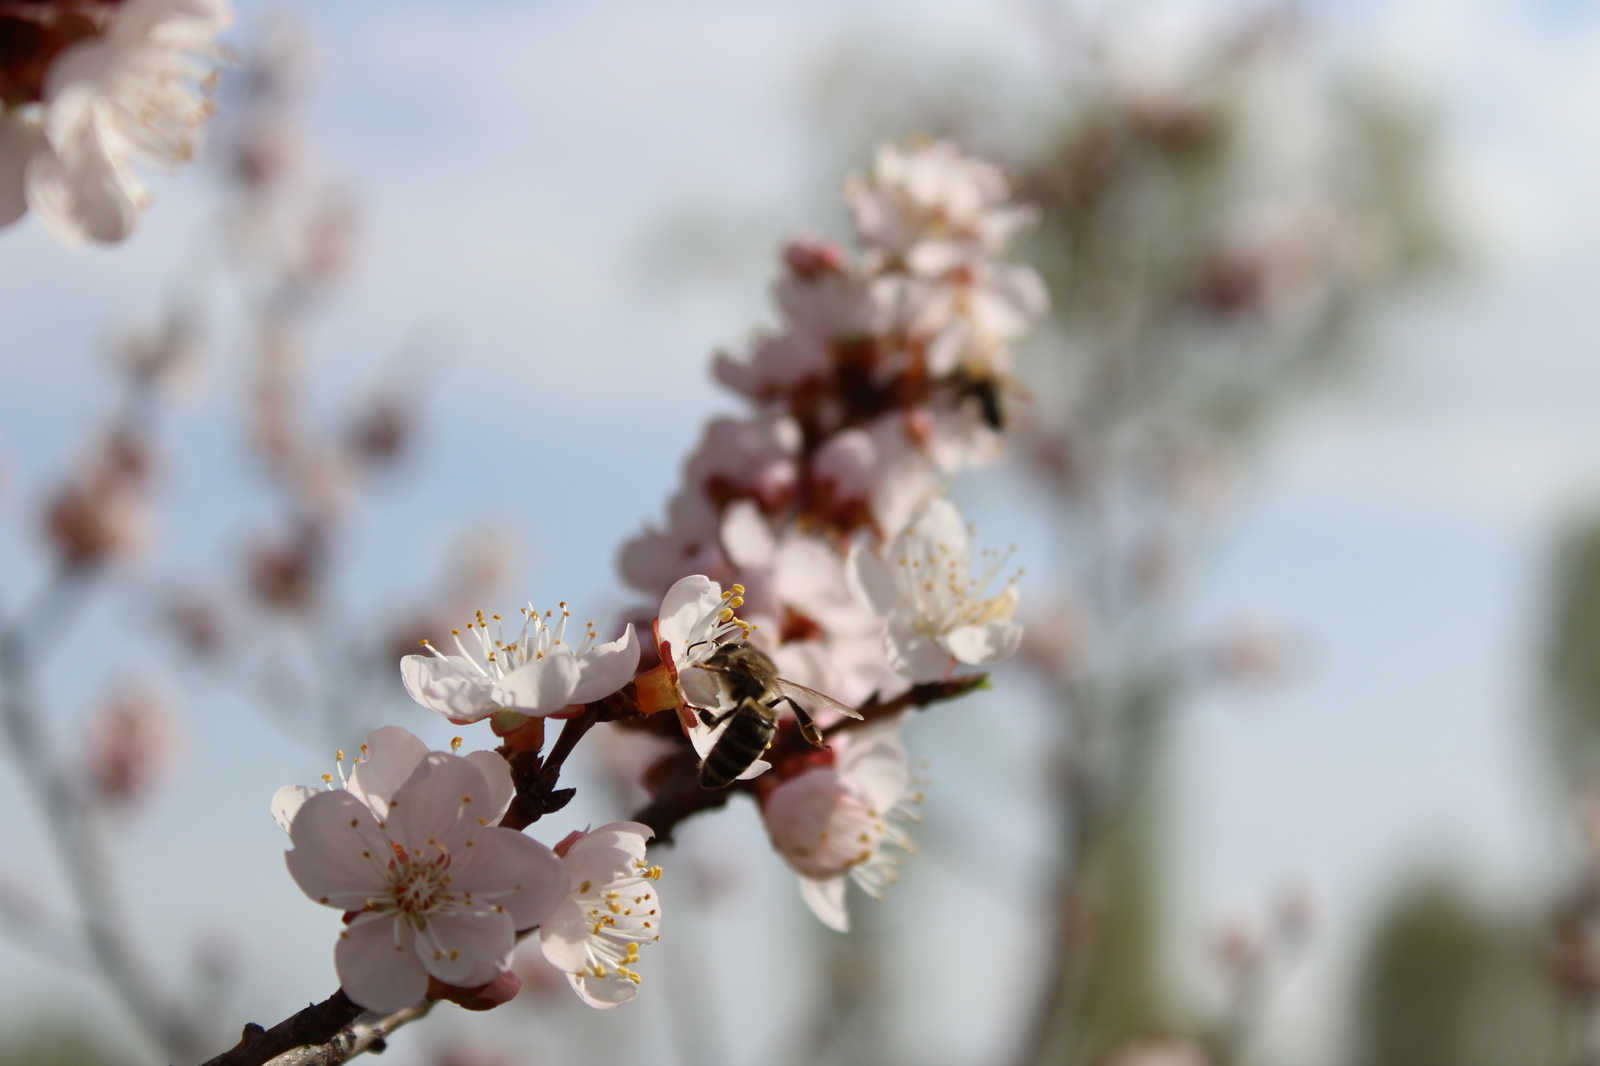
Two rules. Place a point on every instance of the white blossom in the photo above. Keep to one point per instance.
(611, 909)
(932, 209)
(935, 614)
(140, 88)
(431, 887)
(842, 823)
(538, 672)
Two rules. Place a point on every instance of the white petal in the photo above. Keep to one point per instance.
(452, 686)
(603, 993)
(630, 838)
(685, 603)
(746, 536)
(826, 900)
(875, 762)
(871, 582)
(564, 937)
(377, 966)
(286, 803)
(435, 810)
(392, 756)
(338, 851)
(940, 523)
(913, 655)
(497, 774)
(467, 948)
(980, 645)
(84, 186)
(607, 667)
(541, 687)
(702, 688)
(514, 871)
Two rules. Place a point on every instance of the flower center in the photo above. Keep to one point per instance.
(622, 915)
(416, 889)
(935, 579)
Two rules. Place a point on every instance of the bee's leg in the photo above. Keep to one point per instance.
(808, 728)
(711, 721)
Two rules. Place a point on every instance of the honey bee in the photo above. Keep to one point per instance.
(750, 679)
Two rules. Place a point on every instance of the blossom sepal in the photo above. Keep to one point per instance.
(503, 989)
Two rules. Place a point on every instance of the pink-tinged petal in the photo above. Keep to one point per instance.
(984, 644)
(603, 993)
(377, 965)
(452, 686)
(871, 582)
(467, 948)
(507, 869)
(564, 937)
(497, 774)
(286, 803)
(913, 655)
(18, 142)
(874, 761)
(630, 838)
(339, 853)
(541, 687)
(607, 667)
(685, 603)
(826, 900)
(746, 536)
(433, 811)
(392, 755)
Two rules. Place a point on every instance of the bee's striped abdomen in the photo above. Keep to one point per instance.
(748, 734)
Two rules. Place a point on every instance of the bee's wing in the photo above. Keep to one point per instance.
(811, 698)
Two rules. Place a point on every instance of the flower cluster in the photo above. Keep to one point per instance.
(890, 374)
(811, 567)
(435, 893)
(86, 87)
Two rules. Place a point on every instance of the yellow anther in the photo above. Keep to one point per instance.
(327, 779)
(455, 743)
(654, 873)
(725, 615)
(338, 755)
(737, 590)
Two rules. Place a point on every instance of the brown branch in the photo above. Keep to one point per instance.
(320, 1023)
(327, 1033)
(681, 796)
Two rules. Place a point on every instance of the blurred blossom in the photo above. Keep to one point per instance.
(87, 87)
(935, 612)
(1161, 1053)
(287, 574)
(134, 742)
(102, 513)
(198, 622)
(844, 822)
(1252, 654)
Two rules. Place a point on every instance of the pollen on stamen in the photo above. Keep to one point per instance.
(455, 743)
